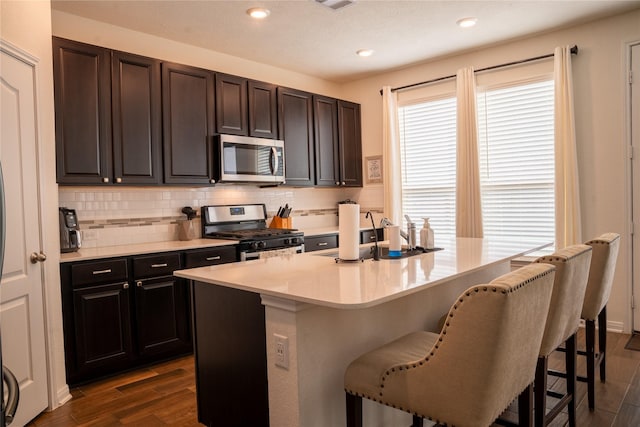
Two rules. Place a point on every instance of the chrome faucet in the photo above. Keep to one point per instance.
(409, 235)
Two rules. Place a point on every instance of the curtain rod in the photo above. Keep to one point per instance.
(574, 51)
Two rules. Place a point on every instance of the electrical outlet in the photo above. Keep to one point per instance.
(282, 350)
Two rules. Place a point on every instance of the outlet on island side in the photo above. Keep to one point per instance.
(281, 350)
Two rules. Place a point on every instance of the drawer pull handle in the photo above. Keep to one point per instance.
(125, 286)
(139, 283)
(213, 258)
(372, 237)
(158, 265)
(108, 270)
(323, 244)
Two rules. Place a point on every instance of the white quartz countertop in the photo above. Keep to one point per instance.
(142, 248)
(316, 278)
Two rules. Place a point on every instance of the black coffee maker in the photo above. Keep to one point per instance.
(70, 240)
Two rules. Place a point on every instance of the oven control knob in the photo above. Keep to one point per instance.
(294, 240)
(261, 245)
(286, 241)
(253, 245)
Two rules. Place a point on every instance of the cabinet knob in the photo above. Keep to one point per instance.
(139, 283)
(119, 180)
(105, 179)
(36, 257)
(344, 183)
(337, 182)
(212, 181)
(125, 286)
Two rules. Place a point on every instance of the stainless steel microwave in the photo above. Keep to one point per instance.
(247, 159)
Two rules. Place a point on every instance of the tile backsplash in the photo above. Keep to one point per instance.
(126, 215)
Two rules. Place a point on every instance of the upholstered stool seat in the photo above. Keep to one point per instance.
(572, 270)
(470, 372)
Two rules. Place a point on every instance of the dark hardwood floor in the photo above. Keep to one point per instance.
(164, 394)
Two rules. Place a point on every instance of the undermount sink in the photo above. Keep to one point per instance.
(367, 253)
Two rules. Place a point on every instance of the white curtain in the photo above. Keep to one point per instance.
(468, 198)
(567, 190)
(391, 167)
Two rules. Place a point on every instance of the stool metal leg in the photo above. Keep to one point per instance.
(571, 357)
(602, 341)
(525, 407)
(354, 410)
(590, 337)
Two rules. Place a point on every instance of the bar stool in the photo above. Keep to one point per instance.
(563, 319)
(603, 265)
(483, 359)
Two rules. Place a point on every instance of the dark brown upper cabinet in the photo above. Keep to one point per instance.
(137, 119)
(188, 124)
(350, 139)
(108, 123)
(231, 104)
(82, 90)
(295, 127)
(263, 107)
(325, 117)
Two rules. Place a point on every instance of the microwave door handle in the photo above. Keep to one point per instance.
(274, 160)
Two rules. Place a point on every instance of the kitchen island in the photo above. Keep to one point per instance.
(304, 318)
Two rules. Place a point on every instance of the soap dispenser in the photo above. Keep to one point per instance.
(426, 235)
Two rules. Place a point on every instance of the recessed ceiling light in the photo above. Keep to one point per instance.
(258, 12)
(467, 22)
(365, 52)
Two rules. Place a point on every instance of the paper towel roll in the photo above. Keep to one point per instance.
(349, 229)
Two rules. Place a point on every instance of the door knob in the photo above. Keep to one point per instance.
(37, 257)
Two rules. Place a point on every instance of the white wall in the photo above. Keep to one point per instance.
(601, 125)
(27, 25)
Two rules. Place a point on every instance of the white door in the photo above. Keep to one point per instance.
(635, 184)
(22, 284)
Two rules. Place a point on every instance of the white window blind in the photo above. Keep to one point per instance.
(516, 153)
(515, 129)
(428, 150)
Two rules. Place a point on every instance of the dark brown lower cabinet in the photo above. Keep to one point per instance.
(162, 316)
(117, 314)
(102, 330)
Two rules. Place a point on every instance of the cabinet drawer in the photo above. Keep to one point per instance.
(110, 271)
(369, 236)
(210, 256)
(155, 265)
(318, 243)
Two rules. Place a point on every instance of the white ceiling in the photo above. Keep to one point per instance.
(307, 37)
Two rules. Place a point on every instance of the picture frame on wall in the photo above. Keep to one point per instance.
(373, 169)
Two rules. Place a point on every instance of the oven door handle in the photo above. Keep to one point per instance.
(273, 160)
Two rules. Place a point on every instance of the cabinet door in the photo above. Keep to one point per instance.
(163, 316)
(82, 89)
(326, 141)
(135, 85)
(102, 330)
(231, 104)
(263, 107)
(295, 127)
(187, 114)
(350, 144)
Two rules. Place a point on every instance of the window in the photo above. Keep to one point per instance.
(428, 156)
(516, 154)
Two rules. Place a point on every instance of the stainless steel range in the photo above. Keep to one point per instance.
(248, 225)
